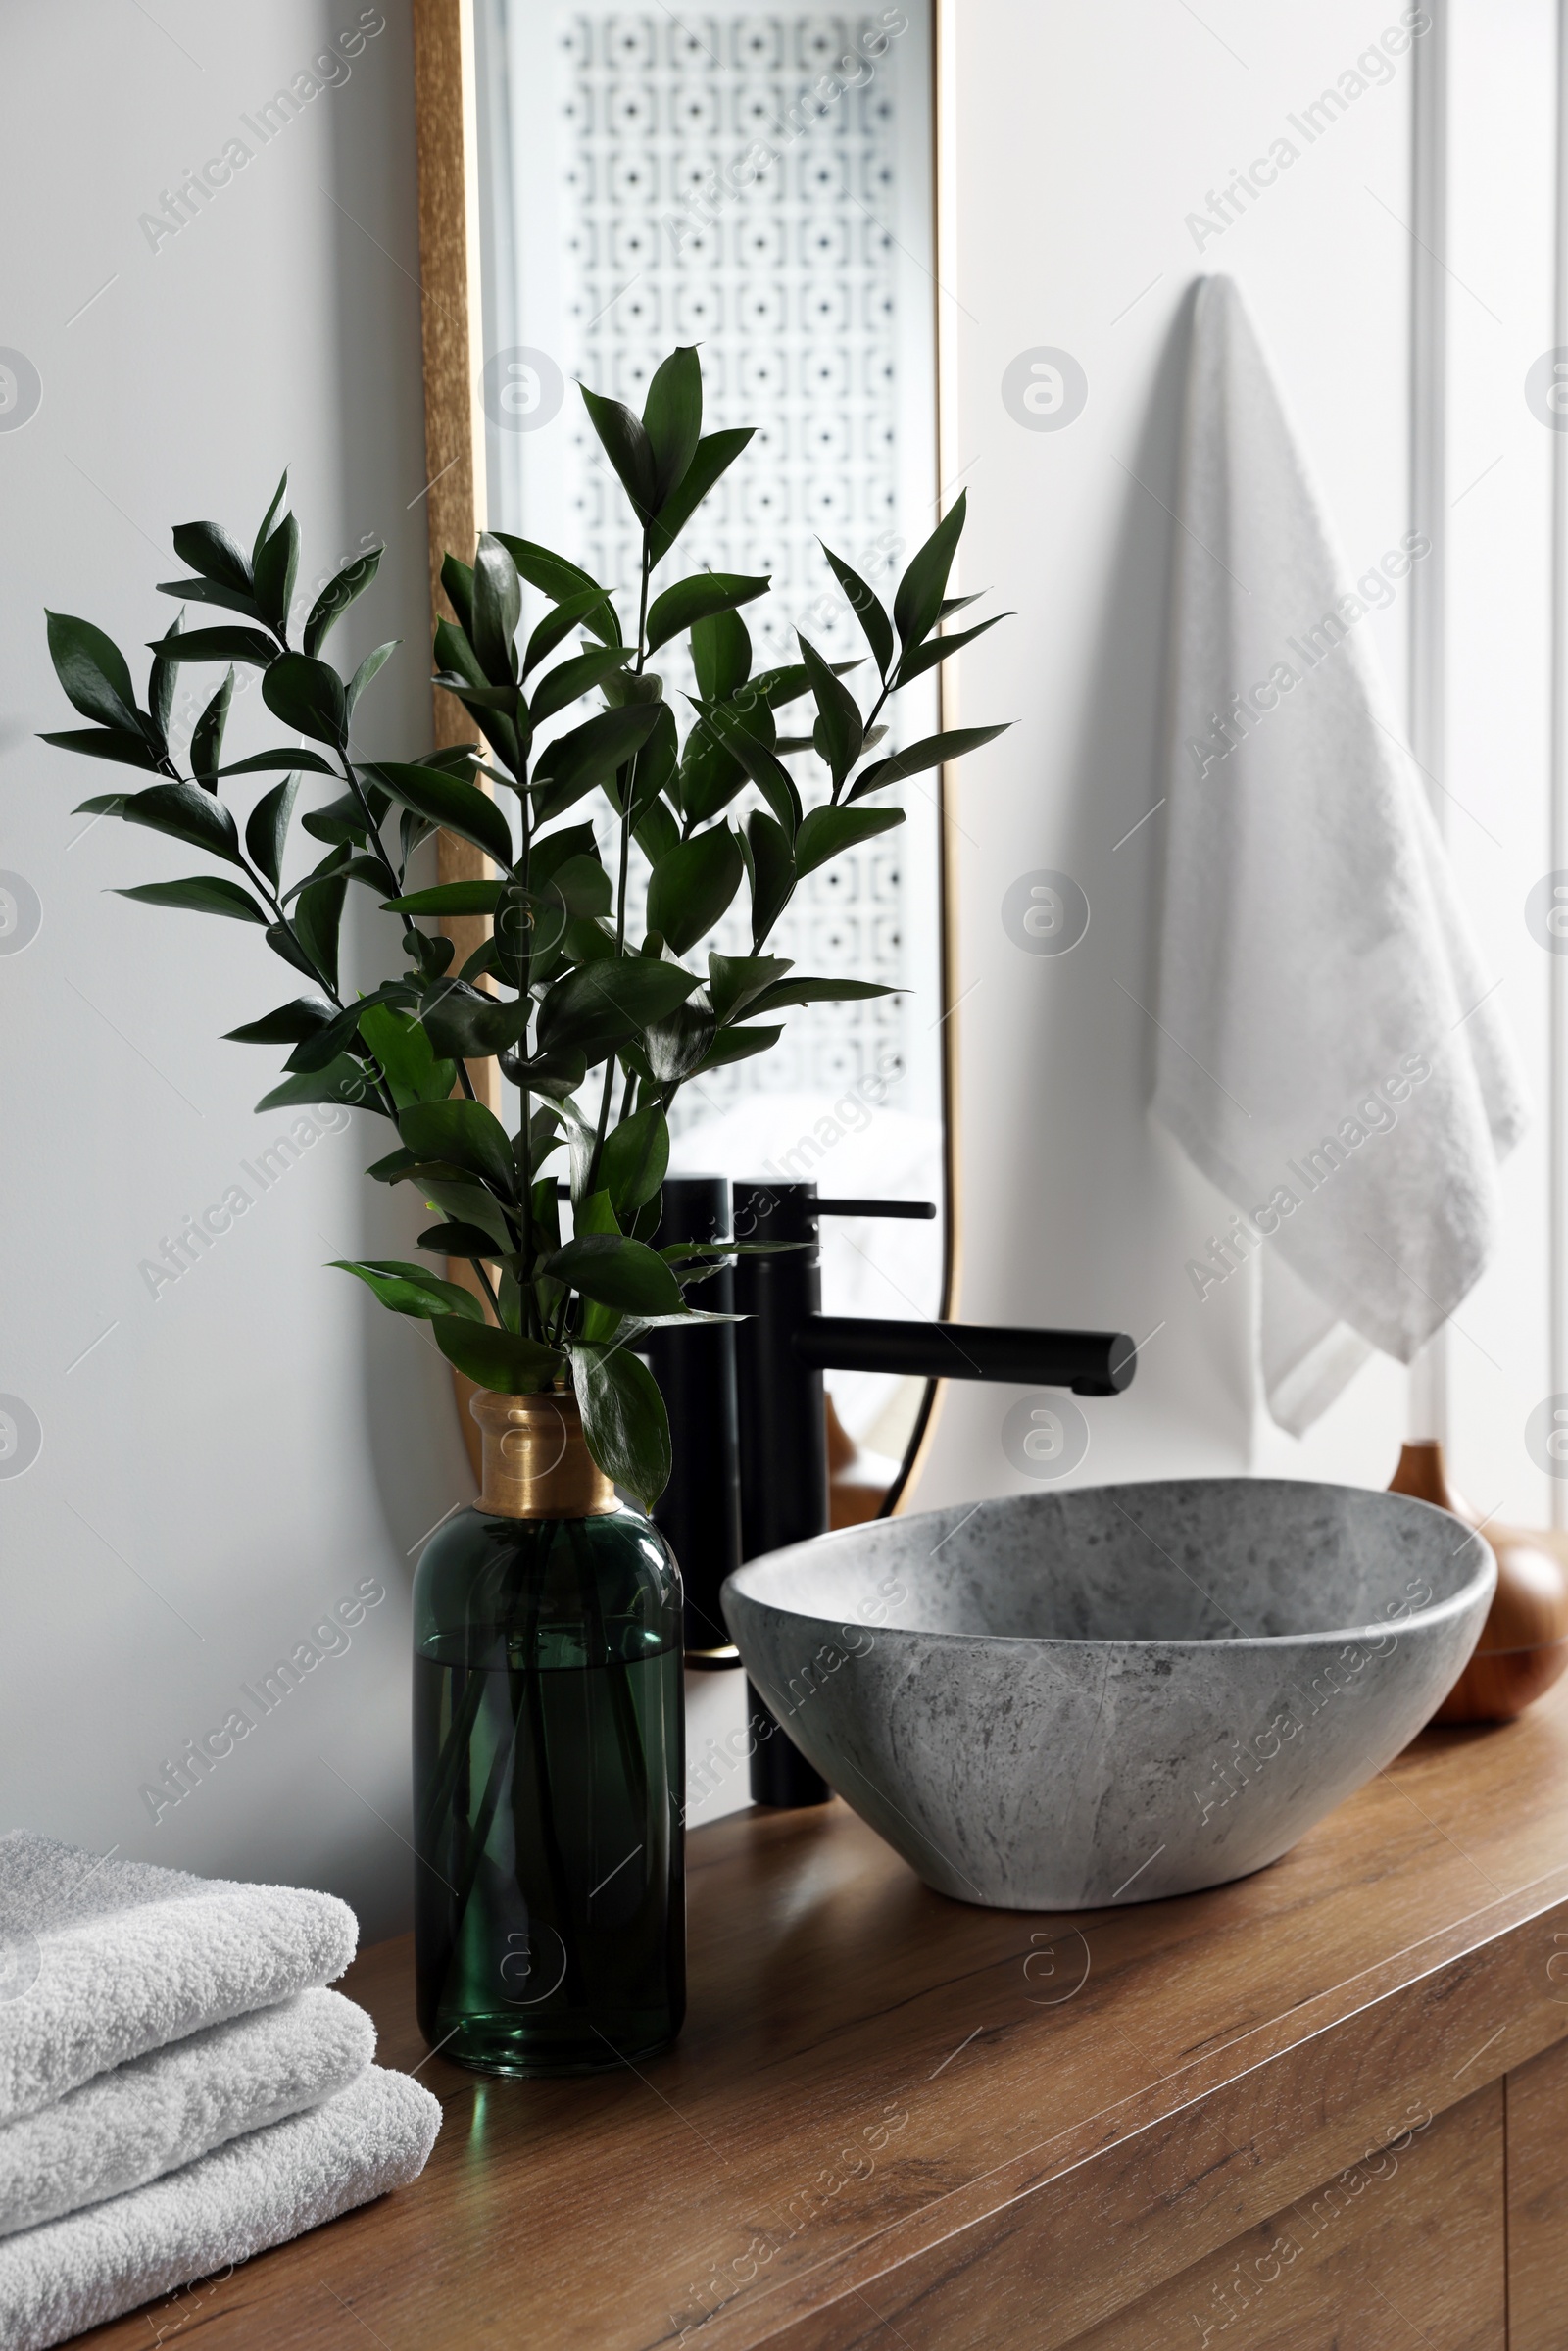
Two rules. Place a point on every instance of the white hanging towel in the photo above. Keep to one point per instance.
(1329, 1054)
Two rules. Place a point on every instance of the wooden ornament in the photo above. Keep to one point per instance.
(1524, 1642)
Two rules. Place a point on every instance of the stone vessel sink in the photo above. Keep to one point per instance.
(1059, 1700)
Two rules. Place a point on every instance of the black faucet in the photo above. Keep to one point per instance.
(747, 1411)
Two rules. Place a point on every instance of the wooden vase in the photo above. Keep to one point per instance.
(1524, 1641)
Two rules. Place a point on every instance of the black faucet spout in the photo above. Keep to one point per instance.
(1089, 1362)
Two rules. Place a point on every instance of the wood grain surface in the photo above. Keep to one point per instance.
(1537, 2194)
(893, 2119)
(1405, 2249)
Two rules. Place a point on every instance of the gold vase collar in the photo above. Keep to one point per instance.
(536, 1459)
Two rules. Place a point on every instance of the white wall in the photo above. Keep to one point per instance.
(238, 1453)
(1079, 139)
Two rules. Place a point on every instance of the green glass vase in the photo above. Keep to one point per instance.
(549, 1761)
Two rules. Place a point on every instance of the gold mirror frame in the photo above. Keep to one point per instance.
(453, 328)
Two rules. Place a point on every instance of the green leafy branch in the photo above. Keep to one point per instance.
(574, 1001)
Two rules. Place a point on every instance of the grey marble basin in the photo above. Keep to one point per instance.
(1054, 1701)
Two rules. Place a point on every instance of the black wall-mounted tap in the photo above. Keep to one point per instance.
(748, 1410)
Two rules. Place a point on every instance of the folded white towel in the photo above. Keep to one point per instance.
(259, 2190)
(1329, 1053)
(155, 2113)
(109, 1959)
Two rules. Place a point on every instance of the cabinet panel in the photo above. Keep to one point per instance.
(1537, 2096)
(1405, 2245)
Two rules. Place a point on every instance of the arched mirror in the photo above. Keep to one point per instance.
(600, 183)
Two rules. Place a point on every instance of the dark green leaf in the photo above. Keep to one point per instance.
(772, 872)
(458, 580)
(721, 654)
(922, 658)
(635, 1157)
(449, 898)
(204, 894)
(274, 570)
(462, 1200)
(160, 680)
(738, 1045)
(918, 605)
(290, 1024)
(839, 727)
(552, 850)
(317, 914)
(336, 597)
(813, 992)
(559, 625)
(266, 832)
(827, 831)
(464, 1133)
(626, 443)
(474, 699)
(102, 803)
(561, 581)
(616, 1272)
(691, 887)
(765, 767)
(445, 801)
(307, 694)
(280, 938)
(267, 762)
(468, 1024)
(340, 1035)
(673, 418)
(716, 453)
(207, 737)
(733, 980)
(678, 1044)
(371, 668)
(656, 831)
(186, 813)
(875, 626)
(590, 754)
(780, 687)
(497, 610)
(413, 1289)
(264, 529)
(698, 598)
(393, 1168)
(247, 645)
(93, 670)
(344, 1081)
(106, 743)
(454, 1240)
(208, 549)
(404, 1050)
(582, 886)
(499, 1360)
(623, 1418)
(929, 753)
(214, 592)
(593, 1008)
(564, 684)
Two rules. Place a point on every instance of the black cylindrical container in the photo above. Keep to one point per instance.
(699, 1512)
(783, 1425)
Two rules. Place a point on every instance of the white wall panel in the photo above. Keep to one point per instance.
(1080, 141)
(235, 1453)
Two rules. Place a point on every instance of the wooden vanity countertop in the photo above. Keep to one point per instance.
(893, 2119)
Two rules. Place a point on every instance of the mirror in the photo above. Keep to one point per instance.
(756, 181)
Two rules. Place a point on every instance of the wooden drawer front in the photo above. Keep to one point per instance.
(1406, 2247)
(1538, 2202)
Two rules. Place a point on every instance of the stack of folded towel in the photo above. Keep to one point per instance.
(178, 2088)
